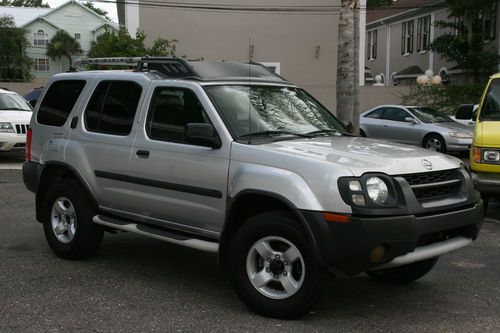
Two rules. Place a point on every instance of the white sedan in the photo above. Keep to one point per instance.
(15, 116)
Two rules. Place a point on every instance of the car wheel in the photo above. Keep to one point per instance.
(486, 201)
(67, 221)
(404, 274)
(362, 133)
(272, 266)
(434, 142)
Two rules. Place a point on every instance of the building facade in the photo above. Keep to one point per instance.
(398, 39)
(296, 37)
(41, 24)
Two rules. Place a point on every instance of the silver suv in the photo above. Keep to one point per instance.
(231, 158)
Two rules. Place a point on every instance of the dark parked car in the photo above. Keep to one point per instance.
(32, 95)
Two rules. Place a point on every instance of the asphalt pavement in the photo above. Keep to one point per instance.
(139, 284)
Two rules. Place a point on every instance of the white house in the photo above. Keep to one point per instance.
(41, 24)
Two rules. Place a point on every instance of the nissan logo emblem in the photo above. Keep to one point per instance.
(427, 164)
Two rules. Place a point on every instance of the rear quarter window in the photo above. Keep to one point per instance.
(58, 102)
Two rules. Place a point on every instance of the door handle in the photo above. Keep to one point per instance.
(142, 153)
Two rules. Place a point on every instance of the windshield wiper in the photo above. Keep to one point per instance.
(323, 131)
(271, 133)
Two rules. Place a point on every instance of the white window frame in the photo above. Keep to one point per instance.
(40, 38)
(41, 64)
(407, 32)
(423, 33)
(372, 44)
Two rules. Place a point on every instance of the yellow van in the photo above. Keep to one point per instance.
(485, 152)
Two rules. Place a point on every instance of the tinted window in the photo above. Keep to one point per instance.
(58, 102)
(112, 107)
(377, 114)
(491, 105)
(395, 114)
(169, 112)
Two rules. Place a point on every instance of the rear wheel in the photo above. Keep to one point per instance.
(67, 221)
(272, 266)
(434, 142)
(404, 274)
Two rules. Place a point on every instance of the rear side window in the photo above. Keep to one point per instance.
(112, 107)
(377, 114)
(58, 102)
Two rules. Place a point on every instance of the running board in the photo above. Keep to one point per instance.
(426, 252)
(157, 233)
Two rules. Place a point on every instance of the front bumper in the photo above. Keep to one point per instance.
(12, 141)
(344, 248)
(486, 182)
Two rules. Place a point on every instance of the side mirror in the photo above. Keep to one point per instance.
(348, 125)
(410, 120)
(464, 112)
(202, 135)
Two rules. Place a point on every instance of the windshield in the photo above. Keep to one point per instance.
(11, 102)
(491, 106)
(428, 115)
(272, 110)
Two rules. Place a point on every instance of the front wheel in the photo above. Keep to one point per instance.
(404, 274)
(272, 266)
(434, 142)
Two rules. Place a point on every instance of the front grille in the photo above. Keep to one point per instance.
(435, 184)
(21, 128)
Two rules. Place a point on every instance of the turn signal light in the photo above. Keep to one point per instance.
(476, 154)
(339, 218)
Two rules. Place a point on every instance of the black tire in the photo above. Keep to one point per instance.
(362, 133)
(404, 274)
(87, 235)
(486, 201)
(282, 225)
(434, 142)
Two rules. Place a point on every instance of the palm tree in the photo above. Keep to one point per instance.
(63, 45)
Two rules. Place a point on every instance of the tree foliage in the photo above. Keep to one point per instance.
(63, 45)
(15, 65)
(121, 44)
(443, 98)
(464, 44)
(372, 4)
(98, 11)
(24, 3)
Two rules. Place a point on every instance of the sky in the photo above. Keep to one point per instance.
(109, 7)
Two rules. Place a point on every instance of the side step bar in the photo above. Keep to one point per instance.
(427, 252)
(157, 233)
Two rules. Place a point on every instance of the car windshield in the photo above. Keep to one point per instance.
(11, 102)
(490, 109)
(428, 115)
(272, 111)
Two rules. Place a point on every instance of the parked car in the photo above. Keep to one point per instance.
(465, 109)
(231, 158)
(33, 95)
(485, 153)
(15, 115)
(415, 125)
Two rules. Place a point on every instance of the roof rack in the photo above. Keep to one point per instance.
(180, 68)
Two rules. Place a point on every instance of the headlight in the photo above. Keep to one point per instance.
(6, 128)
(491, 156)
(461, 135)
(377, 190)
(369, 191)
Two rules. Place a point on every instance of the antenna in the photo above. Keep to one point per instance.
(250, 51)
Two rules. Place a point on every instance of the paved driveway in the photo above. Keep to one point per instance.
(136, 284)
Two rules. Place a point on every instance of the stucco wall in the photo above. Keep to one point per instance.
(370, 96)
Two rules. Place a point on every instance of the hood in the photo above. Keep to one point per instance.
(454, 126)
(487, 134)
(361, 155)
(18, 117)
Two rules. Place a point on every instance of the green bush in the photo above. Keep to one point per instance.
(443, 98)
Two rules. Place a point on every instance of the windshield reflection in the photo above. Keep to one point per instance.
(428, 115)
